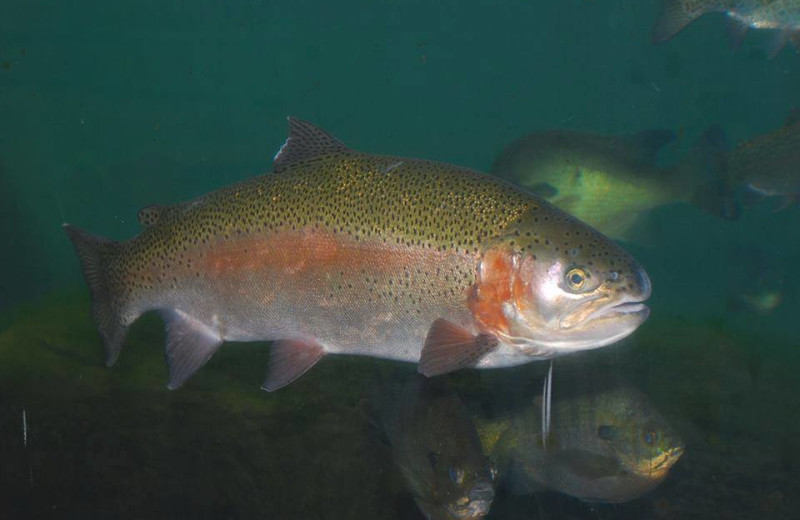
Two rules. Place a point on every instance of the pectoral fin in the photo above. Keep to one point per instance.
(521, 478)
(449, 347)
(290, 359)
(190, 344)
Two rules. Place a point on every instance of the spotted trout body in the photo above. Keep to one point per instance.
(769, 164)
(344, 252)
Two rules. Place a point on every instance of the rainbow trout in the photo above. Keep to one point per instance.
(341, 252)
(769, 164)
(782, 16)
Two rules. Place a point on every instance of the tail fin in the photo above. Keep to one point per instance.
(705, 169)
(673, 17)
(107, 309)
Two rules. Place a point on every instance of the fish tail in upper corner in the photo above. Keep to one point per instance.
(674, 16)
(704, 171)
(108, 309)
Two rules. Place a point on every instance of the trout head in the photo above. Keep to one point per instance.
(558, 287)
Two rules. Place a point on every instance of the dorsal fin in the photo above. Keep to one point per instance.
(305, 143)
(149, 215)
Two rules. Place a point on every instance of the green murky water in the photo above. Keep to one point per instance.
(108, 108)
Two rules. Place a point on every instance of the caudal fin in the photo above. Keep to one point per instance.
(107, 308)
(704, 172)
(673, 17)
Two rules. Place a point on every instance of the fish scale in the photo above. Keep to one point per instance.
(345, 252)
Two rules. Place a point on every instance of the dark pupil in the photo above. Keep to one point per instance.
(576, 279)
(649, 437)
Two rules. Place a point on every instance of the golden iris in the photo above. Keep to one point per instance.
(576, 278)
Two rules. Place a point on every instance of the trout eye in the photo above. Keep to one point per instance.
(576, 278)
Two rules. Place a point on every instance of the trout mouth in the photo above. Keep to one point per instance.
(588, 311)
(630, 308)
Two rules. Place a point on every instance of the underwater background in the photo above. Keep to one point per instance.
(107, 108)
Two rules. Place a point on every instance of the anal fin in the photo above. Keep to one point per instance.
(290, 359)
(449, 347)
(190, 344)
(737, 30)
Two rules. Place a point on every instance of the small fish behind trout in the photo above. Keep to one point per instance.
(341, 252)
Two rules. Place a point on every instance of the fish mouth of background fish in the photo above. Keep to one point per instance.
(474, 504)
(658, 467)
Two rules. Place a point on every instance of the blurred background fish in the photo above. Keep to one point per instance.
(611, 182)
(435, 445)
(759, 280)
(607, 443)
(768, 165)
(783, 16)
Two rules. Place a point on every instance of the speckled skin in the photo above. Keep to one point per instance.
(358, 252)
(769, 163)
